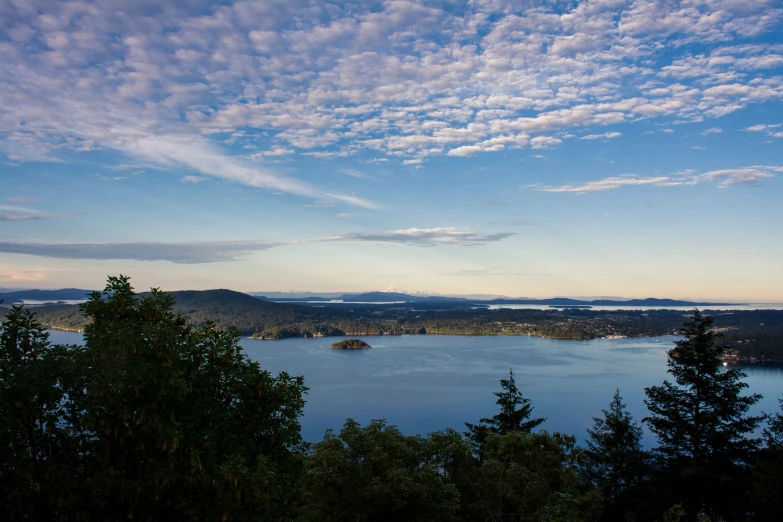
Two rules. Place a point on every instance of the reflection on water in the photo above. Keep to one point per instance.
(428, 382)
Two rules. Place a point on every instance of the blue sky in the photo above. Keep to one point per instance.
(521, 148)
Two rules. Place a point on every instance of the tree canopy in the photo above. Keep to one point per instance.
(157, 419)
(702, 423)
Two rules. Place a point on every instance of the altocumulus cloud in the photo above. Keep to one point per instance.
(401, 79)
(221, 251)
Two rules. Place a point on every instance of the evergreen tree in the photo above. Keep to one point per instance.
(768, 472)
(615, 458)
(514, 415)
(702, 424)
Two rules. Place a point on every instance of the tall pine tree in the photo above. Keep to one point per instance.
(702, 424)
(768, 472)
(615, 459)
(514, 415)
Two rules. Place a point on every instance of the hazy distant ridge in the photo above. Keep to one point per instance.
(68, 294)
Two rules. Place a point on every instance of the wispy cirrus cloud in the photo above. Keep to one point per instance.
(425, 237)
(728, 177)
(616, 182)
(187, 252)
(724, 178)
(13, 213)
(197, 252)
(762, 127)
(204, 157)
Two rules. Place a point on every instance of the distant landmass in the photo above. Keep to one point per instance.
(65, 294)
(71, 294)
(394, 297)
(756, 334)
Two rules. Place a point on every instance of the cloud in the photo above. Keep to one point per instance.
(712, 130)
(196, 252)
(188, 253)
(725, 178)
(21, 199)
(616, 182)
(606, 135)
(12, 213)
(762, 127)
(276, 151)
(729, 177)
(400, 79)
(193, 179)
(489, 272)
(206, 158)
(545, 142)
(354, 173)
(425, 237)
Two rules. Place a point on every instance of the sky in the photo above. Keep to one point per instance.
(522, 148)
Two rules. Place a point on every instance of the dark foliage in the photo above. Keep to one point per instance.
(514, 415)
(150, 420)
(702, 425)
(157, 419)
(615, 461)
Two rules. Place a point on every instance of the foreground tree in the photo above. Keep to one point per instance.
(767, 501)
(615, 460)
(702, 425)
(514, 415)
(376, 473)
(151, 420)
(36, 394)
(532, 477)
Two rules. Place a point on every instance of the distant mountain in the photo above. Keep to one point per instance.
(65, 294)
(372, 297)
(223, 296)
(224, 308)
(296, 296)
(381, 297)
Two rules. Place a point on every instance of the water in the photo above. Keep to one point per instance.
(428, 382)
(616, 308)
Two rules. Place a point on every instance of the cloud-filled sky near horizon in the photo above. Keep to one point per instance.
(525, 148)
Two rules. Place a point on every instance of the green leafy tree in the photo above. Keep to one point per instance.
(615, 459)
(514, 415)
(702, 424)
(184, 425)
(532, 477)
(36, 453)
(150, 420)
(375, 473)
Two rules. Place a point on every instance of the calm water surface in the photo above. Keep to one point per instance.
(430, 382)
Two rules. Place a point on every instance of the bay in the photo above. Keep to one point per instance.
(424, 383)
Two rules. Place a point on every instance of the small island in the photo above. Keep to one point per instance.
(350, 344)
